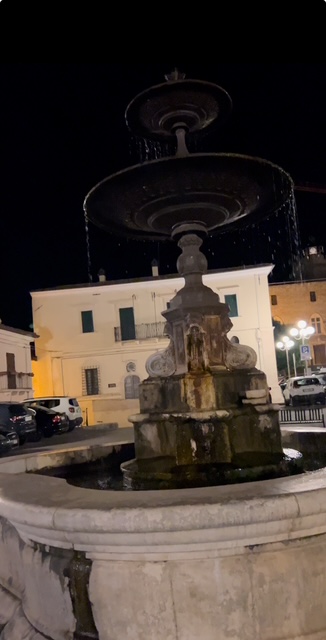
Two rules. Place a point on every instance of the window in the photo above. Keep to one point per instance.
(11, 370)
(132, 387)
(17, 410)
(274, 300)
(87, 321)
(51, 403)
(231, 301)
(313, 296)
(127, 323)
(320, 354)
(316, 322)
(91, 382)
(305, 382)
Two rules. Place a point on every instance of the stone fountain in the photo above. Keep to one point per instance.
(244, 560)
(205, 414)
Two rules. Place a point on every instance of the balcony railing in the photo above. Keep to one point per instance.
(144, 331)
(11, 381)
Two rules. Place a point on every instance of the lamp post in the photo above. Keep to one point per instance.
(302, 332)
(285, 345)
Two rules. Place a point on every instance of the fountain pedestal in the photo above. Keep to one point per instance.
(205, 416)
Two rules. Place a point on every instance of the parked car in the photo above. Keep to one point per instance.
(304, 390)
(321, 377)
(62, 404)
(48, 421)
(14, 416)
(8, 439)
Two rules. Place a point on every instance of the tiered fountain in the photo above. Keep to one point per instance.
(205, 414)
(244, 560)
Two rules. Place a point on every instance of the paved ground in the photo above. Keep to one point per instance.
(91, 434)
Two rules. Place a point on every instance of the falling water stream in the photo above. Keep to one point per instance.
(274, 240)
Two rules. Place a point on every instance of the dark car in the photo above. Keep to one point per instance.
(8, 439)
(14, 416)
(48, 421)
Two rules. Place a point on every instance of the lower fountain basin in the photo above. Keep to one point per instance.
(222, 190)
(244, 561)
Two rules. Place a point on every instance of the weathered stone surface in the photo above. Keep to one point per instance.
(11, 571)
(20, 629)
(24, 570)
(244, 562)
(218, 390)
(201, 434)
(258, 593)
(161, 395)
(256, 393)
(9, 605)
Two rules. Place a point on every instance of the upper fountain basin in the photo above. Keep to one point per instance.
(193, 105)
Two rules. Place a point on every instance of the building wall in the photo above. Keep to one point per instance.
(293, 303)
(18, 345)
(64, 351)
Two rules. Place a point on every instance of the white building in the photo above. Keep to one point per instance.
(15, 364)
(94, 339)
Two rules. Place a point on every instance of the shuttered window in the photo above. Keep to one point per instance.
(127, 323)
(87, 321)
(231, 300)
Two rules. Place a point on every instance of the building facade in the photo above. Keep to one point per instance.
(306, 300)
(94, 339)
(15, 364)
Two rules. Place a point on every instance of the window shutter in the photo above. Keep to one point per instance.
(87, 321)
(231, 300)
(127, 323)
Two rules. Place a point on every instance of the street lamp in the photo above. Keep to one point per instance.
(302, 333)
(285, 345)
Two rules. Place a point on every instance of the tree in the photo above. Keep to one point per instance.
(281, 330)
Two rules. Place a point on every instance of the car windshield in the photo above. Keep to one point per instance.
(73, 402)
(303, 382)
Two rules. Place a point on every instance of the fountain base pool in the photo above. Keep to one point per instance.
(244, 561)
(156, 475)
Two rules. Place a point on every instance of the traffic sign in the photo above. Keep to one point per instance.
(305, 352)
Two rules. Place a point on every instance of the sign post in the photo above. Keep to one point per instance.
(305, 355)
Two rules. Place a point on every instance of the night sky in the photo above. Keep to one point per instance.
(63, 130)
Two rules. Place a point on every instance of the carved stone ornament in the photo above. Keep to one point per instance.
(161, 363)
(239, 356)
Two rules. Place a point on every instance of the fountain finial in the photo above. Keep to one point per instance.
(175, 75)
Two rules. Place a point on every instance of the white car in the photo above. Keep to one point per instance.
(304, 390)
(62, 404)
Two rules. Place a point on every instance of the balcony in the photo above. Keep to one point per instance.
(145, 331)
(11, 381)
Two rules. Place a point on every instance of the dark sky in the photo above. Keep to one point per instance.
(63, 130)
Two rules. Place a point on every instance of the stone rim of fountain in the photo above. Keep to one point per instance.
(58, 514)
